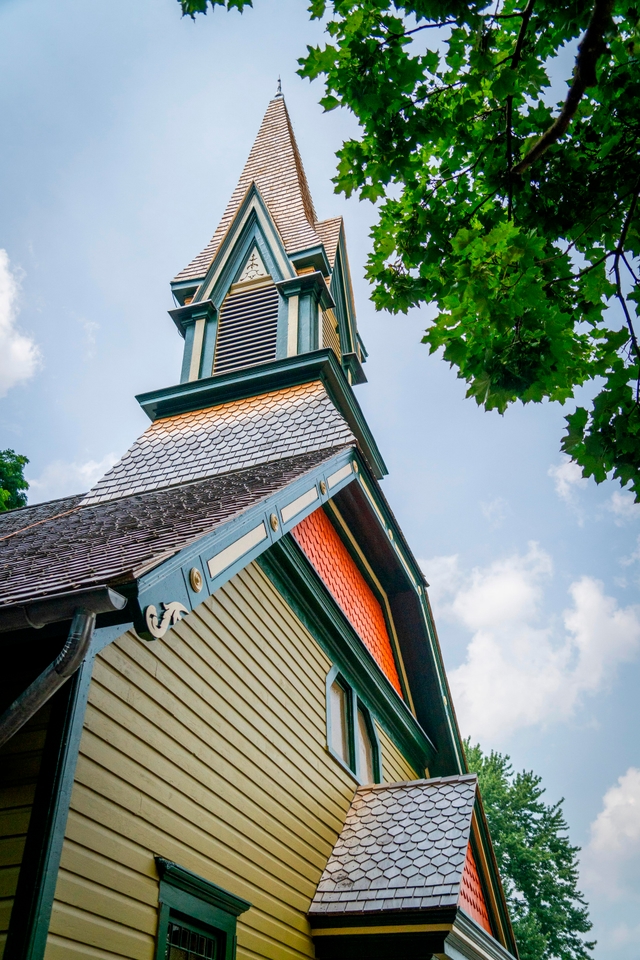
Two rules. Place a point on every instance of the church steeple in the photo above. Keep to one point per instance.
(273, 282)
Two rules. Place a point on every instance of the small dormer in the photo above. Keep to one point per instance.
(274, 281)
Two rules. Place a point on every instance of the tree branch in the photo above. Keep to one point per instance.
(515, 59)
(584, 75)
(619, 254)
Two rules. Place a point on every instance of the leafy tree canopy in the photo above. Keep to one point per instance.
(12, 481)
(538, 865)
(517, 217)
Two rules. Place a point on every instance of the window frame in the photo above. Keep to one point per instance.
(354, 703)
(188, 898)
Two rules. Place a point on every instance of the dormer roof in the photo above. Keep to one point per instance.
(275, 166)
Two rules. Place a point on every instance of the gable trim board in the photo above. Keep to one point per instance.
(222, 553)
(294, 577)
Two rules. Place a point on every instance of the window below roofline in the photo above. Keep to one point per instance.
(195, 909)
(352, 738)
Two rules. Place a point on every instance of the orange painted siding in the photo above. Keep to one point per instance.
(471, 897)
(333, 563)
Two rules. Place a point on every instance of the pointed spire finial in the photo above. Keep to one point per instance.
(279, 90)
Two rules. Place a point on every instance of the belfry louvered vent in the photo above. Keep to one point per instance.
(247, 329)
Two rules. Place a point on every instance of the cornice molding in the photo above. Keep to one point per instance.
(265, 378)
(182, 879)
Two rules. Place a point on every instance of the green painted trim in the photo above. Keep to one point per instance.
(389, 524)
(355, 703)
(170, 580)
(29, 927)
(184, 894)
(264, 378)
(383, 601)
(289, 570)
(494, 875)
(312, 257)
(183, 316)
(175, 877)
(307, 284)
(232, 236)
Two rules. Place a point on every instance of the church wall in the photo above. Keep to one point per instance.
(208, 748)
(20, 760)
(395, 768)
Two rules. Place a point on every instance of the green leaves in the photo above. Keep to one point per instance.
(519, 267)
(191, 7)
(538, 865)
(12, 482)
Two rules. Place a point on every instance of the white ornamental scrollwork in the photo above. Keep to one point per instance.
(173, 612)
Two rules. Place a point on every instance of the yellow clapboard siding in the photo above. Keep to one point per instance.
(82, 893)
(194, 734)
(14, 821)
(201, 804)
(86, 862)
(94, 835)
(88, 928)
(395, 767)
(17, 795)
(59, 948)
(207, 747)
(20, 760)
(197, 848)
(8, 880)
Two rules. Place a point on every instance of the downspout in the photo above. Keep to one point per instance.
(86, 604)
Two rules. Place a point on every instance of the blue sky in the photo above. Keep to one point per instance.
(124, 131)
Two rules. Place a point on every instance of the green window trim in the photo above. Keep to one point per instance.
(185, 896)
(355, 706)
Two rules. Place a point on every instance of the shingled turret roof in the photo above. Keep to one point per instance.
(274, 165)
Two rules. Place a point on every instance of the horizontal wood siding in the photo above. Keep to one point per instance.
(207, 747)
(395, 768)
(20, 760)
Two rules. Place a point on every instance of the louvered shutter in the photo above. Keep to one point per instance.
(247, 329)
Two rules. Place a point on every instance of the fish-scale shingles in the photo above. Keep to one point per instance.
(110, 542)
(402, 847)
(232, 436)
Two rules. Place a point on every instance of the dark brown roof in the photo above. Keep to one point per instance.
(274, 165)
(65, 546)
(403, 847)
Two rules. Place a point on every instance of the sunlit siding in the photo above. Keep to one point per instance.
(20, 760)
(209, 748)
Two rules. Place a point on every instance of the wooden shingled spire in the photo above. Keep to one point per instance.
(274, 165)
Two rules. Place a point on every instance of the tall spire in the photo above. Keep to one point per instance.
(274, 165)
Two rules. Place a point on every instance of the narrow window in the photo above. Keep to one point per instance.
(351, 736)
(366, 750)
(339, 721)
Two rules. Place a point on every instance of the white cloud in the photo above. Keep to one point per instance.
(495, 511)
(525, 667)
(567, 478)
(61, 479)
(623, 507)
(19, 355)
(611, 861)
